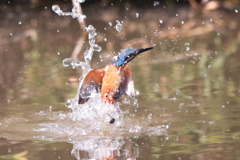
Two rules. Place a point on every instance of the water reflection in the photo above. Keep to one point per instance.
(101, 149)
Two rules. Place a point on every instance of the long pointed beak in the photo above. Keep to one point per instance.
(137, 52)
(143, 50)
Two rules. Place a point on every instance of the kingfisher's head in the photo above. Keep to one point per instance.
(126, 55)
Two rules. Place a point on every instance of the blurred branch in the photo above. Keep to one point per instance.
(193, 3)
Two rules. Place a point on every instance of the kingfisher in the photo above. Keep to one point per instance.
(112, 81)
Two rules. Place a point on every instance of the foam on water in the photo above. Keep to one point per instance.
(94, 111)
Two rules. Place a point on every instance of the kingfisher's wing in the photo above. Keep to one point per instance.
(91, 82)
(128, 83)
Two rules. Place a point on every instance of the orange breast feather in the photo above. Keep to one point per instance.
(112, 80)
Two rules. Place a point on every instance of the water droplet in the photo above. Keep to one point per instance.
(58, 31)
(19, 23)
(80, 1)
(9, 101)
(176, 15)
(182, 22)
(119, 26)
(90, 29)
(160, 21)
(137, 15)
(204, 74)
(9, 150)
(97, 48)
(177, 92)
(150, 116)
(57, 10)
(11, 34)
(180, 105)
(137, 92)
(58, 53)
(188, 48)
(110, 23)
(236, 10)
(223, 106)
(155, 3)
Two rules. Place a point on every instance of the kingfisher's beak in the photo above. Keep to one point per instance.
(142, 50)
(137, 52)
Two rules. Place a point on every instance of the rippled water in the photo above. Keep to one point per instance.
(187, 105)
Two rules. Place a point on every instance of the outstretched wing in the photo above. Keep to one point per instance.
(91, 82)
(128, 83)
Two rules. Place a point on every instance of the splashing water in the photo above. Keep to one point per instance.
(90, 29)
(94, 113)
(74, 13)
(75, 63)
(94, 110)
(91, 36)
(93, 46)
(119, 26)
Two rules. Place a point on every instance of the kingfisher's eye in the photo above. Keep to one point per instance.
(106, 95)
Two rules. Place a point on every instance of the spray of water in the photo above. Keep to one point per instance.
(94, 108)
(91, 36)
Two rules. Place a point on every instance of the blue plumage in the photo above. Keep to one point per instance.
(123, 57)
(126, 55)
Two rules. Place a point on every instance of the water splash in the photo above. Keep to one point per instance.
(93, 116)
(119, 26)
(89, 29)
(74, 13)
(94, 110)
(93, 46)
(156, 3)
(78, 112)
